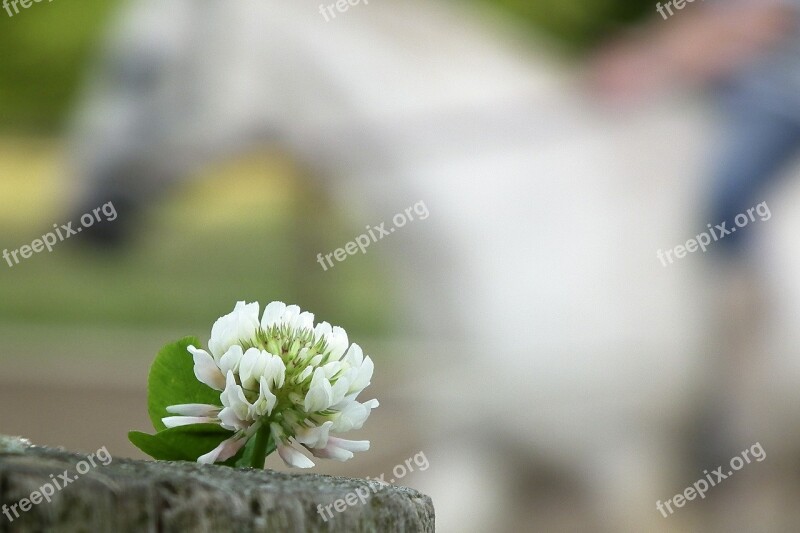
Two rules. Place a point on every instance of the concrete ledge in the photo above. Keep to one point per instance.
(128, 495)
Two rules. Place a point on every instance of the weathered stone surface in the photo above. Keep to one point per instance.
(140, 496)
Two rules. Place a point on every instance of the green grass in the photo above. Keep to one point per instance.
(245, 231)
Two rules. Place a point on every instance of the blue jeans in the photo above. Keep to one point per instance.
(758, 143)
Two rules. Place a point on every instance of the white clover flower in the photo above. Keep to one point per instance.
(281, 373)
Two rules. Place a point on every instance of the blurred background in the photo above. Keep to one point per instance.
(527, 337)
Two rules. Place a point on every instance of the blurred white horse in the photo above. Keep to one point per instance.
(572, 341)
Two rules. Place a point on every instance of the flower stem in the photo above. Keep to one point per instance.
(260, 445)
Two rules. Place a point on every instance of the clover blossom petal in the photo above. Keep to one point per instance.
(340, 449)
(206, 370)
(239, 324)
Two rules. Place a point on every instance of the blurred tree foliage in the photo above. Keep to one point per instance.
(577, 24)
(45, 49)
(47, 46)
